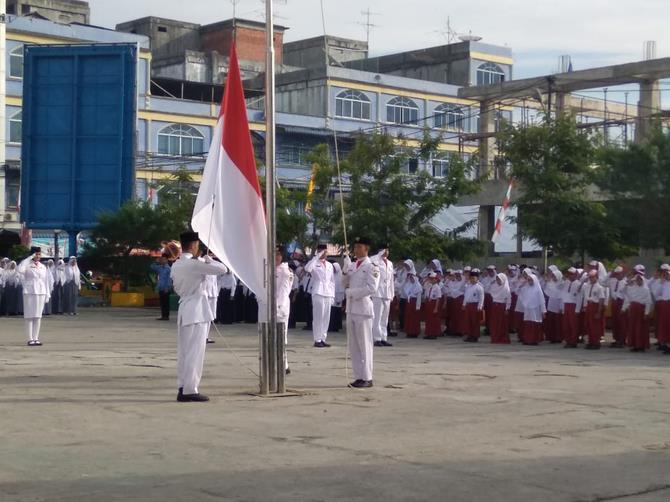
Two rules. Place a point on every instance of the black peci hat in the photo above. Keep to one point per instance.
(362, 240)
(35, 249)
(188, 237)
(321, 247)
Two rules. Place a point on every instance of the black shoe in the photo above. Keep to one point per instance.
(471, 339)
(393, 333)
(162, 319)
(325, 344)
(361, 384)
(192, 398)
(386, 344)
(320, 345)
(556, 341)
(288, 371)
(534, 344)
(180, 392)
(31, 343)
(430, 337)
(37, 343)
(592, 347)
(209, 340)
(570, 346)
(378, 344)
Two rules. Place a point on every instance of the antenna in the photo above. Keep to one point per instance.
(368, 23)
(649, 50)
(448, 32)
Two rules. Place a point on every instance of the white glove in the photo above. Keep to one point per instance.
(346, 265)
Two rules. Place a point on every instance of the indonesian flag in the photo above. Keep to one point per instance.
(501, 215)
(229, 213)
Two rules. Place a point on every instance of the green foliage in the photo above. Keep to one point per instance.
(638, 179)
(388, 205)
(135, 226)
(19, 252)
(554, 166)
(176, 198)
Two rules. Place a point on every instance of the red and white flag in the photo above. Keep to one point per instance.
(229, 213)
(502, 214)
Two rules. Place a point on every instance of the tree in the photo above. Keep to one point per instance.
(135, 226)
(637, 178)
(554, 166)
(176, 199)
(390, 205)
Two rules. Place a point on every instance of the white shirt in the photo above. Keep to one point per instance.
(188, 278)
(33, 276)
(593, 293)
(501, 294)
(283, 285)
(554, 292)
(638, 294)
(434, 292)
(323, 278)
(386, 289)
(360, 282)
(617, 288)
(474, 293)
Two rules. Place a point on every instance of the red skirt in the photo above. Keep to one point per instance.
(662, 314)
(595, 328)
(433, 318)
(394, 313)
(618, 321)
(498, 318)
(552, 327)
(569, 324)
(488, 301)
(457, 318)
(638, 327)
(532, 332)
(473, 319)
(513, 326)
(412, 319)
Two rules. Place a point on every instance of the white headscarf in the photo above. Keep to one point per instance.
(531, 295)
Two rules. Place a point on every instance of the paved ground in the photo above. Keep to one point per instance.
(91, 416)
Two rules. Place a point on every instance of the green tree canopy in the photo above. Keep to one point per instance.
(554, 164)
(637, 178)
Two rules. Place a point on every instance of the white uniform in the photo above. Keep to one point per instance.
(35, 294)
(381, 300)
(195, 314)
(323, 295)
(283, 286)
(360, 281)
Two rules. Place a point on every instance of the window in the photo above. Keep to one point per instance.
(16, 127)
(402, 111)
(25, 9)
(12, 187)
(489, 73)
(179, 139)
(16, 62)
(441, 167)
(411, 166)
(11, 9)
(162, 29)
(448, 116)
(352, 104)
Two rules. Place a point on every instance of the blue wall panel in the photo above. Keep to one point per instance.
(79, 122)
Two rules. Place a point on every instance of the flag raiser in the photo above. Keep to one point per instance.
(229, 213)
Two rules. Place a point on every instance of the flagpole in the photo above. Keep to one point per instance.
(275, 344)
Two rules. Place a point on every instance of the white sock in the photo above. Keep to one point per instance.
(37, 323)
(28, 323)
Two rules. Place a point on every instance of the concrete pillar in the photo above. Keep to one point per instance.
(649, 104)
(486, 226)
(487, 126)
(562, 103)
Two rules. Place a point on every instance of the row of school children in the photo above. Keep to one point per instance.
(63, 281)
(559, 307)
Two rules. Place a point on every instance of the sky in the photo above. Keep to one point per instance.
(593, 32)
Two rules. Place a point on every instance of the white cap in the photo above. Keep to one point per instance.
(449, 271)
(665, 267)
(432, 275)
(491, 267)
(467, 268)
(639, 269)
(458, 272)
(572, 270)
(618, 270)
(476, 271)
(593, 263)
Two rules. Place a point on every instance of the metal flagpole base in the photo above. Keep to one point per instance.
(263, 359)
(281, 358)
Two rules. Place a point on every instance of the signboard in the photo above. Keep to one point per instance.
(79, 121)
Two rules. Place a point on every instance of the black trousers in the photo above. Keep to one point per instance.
(164, 297)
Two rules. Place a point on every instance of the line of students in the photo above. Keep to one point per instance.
(559, 307)
(63, 282)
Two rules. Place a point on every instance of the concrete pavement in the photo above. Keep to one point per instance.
(92, 415)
